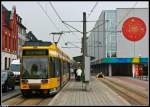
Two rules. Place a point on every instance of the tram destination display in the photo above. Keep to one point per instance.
(34, 52)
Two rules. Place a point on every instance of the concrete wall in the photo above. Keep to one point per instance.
(125, 48)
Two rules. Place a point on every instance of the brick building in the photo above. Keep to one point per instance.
(9, 37)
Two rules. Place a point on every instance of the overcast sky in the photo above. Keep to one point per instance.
(36, 20)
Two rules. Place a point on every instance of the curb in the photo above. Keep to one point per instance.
(7, 98)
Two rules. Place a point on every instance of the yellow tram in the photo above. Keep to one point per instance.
(44, 68)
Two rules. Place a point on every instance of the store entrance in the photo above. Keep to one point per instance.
(121, 69)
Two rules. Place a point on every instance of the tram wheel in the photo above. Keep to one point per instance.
(46, 93)
(25, 94)
(6, 88)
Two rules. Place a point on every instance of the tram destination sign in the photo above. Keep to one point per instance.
(35, 52)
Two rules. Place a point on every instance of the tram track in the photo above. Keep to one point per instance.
(132, 97)
(33, 100)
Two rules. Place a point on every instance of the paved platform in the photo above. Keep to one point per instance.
(98, 94)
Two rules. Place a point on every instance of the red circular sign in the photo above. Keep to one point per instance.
(134, 29)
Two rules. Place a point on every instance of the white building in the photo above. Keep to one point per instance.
(114, 54)
(22, 35)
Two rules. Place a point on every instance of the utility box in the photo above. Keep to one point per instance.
(87, 69)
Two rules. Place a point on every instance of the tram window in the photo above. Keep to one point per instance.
(68, 67)
(52, 68)
(62, 69)
(56, 67)
(65, 68)
(59, 66)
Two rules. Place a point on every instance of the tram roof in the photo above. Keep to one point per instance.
(45, 43)
(37, 43)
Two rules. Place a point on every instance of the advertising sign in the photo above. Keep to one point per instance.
(134, 29)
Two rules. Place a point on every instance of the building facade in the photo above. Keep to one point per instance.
(9, 37)
(114, 53)
(22, 35)
(31, 37)
(13, 37)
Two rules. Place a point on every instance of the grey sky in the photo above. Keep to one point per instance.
(36, 21)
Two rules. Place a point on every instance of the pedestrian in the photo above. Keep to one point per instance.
(75, 72)
(71, 70)
(79, 72)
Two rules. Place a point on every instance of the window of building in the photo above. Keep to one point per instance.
(21, 42)
(5, 63)
(5, 41)
(18, 30)
(9, 62)
(110, 36)
(113, 54)
(12, 43)
(8, 42)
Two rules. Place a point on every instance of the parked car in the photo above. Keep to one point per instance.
(7, 80)
(15, 68)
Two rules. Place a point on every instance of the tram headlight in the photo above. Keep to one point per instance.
(24, 81)
(44, 80)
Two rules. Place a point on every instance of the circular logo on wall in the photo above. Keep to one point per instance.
(134, 29)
